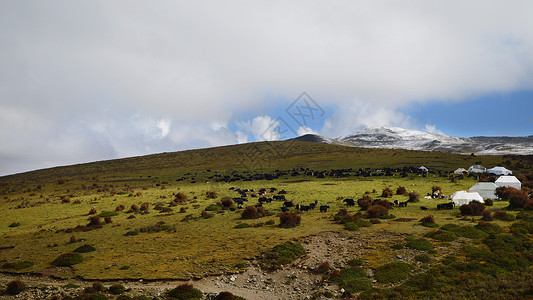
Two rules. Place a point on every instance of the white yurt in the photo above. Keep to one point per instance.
(460, 171)
(499, 171)
(487, 190)
(463, 197)
(509, 181)
(477, 169)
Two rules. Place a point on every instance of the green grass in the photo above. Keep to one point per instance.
(352, 279)
(186, 245)
(393, 272)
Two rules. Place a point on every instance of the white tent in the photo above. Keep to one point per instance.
(499, 171)
(477, 169)
(460, 171)
(509, 181)
(487, 190)
(463, 197)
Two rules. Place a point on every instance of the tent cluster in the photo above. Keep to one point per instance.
(485, 190)
(479, 169)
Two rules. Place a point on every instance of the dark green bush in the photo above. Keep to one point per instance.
(363, 223)
(227, 296)
(423, 258)
(509, 243)
(392, 272)
(15, 287)
(351, 226)
(19, 265)
(68, 259)
(353, 279)
(355, 262)
(185, 292)
(242, 225)
(283, 254)
(449, 259)
(132, 233)
(504, 216)
(117, 289)
(522, 227)
(441, 235)
(423, 282)
(84, 249)
(212, 207)
(489, 228)
(418, 244)
(398, 246)
(108, 214)
(14, 224)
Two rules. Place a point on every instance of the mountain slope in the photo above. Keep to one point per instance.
(400, 138)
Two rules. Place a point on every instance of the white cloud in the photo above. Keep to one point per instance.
(432, 129)
(185, 68)
(262, 128)
(305, 130)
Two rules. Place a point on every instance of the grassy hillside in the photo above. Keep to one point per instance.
(156, 235)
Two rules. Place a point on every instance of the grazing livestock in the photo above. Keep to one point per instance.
(423, 208)
(282, 192)
(349, 202)
(304, 207)
(449, 205)
(288, 204)
(403, 204)
(324, 208)
(284, 209)
(279, 197)
(397, 202)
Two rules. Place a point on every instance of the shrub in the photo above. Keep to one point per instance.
(449, 259)
(206, 215)
(92, 211)
(351, 226)
(489, 202)
(95, 221)
(108, 220)
(211, 194)
(474, 208)
(289, 219)
(522, 227)
(384, 203)
(67, 259)
(401, 190)
(184, 292)
(227, 296)
(414, 197)
(108, 214)
(121, 207)
(212, 207)
(181, 198)
(487, 216)
(84, 249)
(504, 216)
(117, 289)
(392, 272)
(15, 287)
(424, 258)
(377, 211)
(353, 279)
(283, 254)
(145, 206)
(364, 204)
(489, 228)
(323, 268)
(375, 221)
(355, 262)
(398, 246)
(19, 265)
(134, 208)
(387, 192)
(441, 235)
(429, 221)
(14, 224)
(97, 287)
(227, 202)
(242, 225)
(418, 244)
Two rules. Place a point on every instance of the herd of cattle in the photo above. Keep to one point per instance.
(279, 196)
(334, 173)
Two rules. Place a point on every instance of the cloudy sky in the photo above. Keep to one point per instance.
(90, 80)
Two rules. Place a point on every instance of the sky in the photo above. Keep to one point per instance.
(83, 81)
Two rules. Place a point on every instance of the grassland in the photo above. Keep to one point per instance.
(49, 205)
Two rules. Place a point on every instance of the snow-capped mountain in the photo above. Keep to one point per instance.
(401, 138)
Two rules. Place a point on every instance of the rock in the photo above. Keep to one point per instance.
(399, 256)
(232, 278)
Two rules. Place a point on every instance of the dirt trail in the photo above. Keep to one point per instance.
(295, 281)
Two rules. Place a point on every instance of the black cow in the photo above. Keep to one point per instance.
(288, 204)
(279, 197)
(324, 208)
(284, 209)
(349, 202)
(423, 208)
(449, 205)
(397, 202)
(403, 204)
(304, 207)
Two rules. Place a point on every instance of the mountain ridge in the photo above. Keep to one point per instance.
(390, 137)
